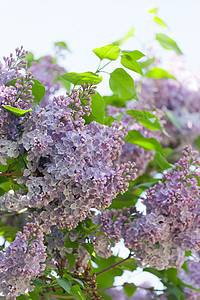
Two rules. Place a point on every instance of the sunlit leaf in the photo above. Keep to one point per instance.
(158, 73)
(122, 84)
(110, 52)
(79, 78)
(126, 37)
(159, 21)
(168, 43)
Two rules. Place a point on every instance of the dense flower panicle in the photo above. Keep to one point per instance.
(22, 261)
(46, 71)
(172, 222)
(71, 166)
(191, 278)
(180, 97)
(18, 95)
(12, 65)
(174, 204)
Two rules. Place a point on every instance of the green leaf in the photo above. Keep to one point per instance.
(110, 52)
(161, 160)
(89, 247)
(47, 296)
(129, 264)
(38, 282)
(159, 21)
(172, 118)
(114, 100)
(147, 119)
(38, 91)
(22, 297)
(122, 84)
(98, 107)
(64, 283)
(79, 78)
(71, 260)
(158, 73)
(135, 137)
(168, 43)
(29, 58)
(134, 55)
(129, 289)
(197, 142)
(147, 63)
(153, 10)
(65, 84)
(77, 292)
(126, 37)
(34, 295)
(79, 281)
(180, 282)
(70, 244)
(16, 111)
(62, 45)
(8, 232)
(130, 64)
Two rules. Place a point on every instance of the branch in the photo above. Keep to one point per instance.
(113, 266)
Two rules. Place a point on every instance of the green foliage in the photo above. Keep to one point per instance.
(135, 137)
(146, 118)
(77, 292)
(62, 45)
(98, 109)
(34, 295)
(8, 232)
(172, 118)
(153, 10)
(145, 64)
(161, 160)
(16, 111)
(130, 33)
(129, 289)
(114, 100)
(64, 283)
(159, 21)
(29, 58)
(168, 43)
(79, 78)
(122, 84)
(158, 73)
(110, 52)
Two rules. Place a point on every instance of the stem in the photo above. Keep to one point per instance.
(61, 297)
(113, 266)
(10, 174)
(104, 66)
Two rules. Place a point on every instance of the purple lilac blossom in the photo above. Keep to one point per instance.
(172, 222)
(70, 166)
(180, 97)
(191, 278)
(22, 261)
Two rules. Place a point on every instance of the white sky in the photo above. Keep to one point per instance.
(85, 25)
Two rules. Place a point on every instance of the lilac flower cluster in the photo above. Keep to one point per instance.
(180, 97)
(70, 166)
(172, 222)
(22, 261)
(47, 71)
(133, 152)
(191, 278)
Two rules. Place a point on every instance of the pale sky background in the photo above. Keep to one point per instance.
(85, 25)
